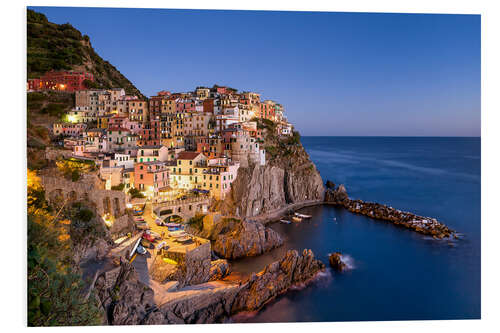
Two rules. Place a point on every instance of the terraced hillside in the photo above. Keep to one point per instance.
(62, 47)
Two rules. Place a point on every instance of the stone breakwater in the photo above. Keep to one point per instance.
(423, 225)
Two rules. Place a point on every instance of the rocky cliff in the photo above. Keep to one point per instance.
(128, 301)
(246, 239)
(289, 178)
(234, 238)
(275, 279)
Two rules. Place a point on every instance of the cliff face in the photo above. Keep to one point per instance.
(289, 177)
(245, 240)
(233, 238)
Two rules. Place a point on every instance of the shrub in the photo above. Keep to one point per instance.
(75, 175)
(135, 193)
(197, 222)
(55, 110)
(90, 84)
(118, 187)
(85, 215)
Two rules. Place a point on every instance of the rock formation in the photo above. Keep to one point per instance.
(289, 177)
(275, 279)
(128, 301)
(336, 262)
(424, 225)
(246, 239)
(125, 299)
(219, 269)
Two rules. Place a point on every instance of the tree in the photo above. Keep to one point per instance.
(55, 292)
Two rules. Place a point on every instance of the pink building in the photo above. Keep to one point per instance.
(185, 105)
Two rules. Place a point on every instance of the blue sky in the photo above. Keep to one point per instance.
(335, 73)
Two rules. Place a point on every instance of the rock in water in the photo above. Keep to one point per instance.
(275, 279)
(336, 262)
(330, 185)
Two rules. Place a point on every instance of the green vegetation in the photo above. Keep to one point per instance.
(62, 47)
(135, 193)
(55, 110)
(271, 151)
(197, 222)
(118, 187)
(51, 46)
(294, 139)
(91, 84)
(73, 168)
(54, 290)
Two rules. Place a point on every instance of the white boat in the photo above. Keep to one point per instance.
(303, 216)
(177, 234)
(141, 250)
(285, 221)
(183, 239)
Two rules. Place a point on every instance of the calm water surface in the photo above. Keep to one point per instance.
(396, 274)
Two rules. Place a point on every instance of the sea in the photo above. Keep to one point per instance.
(393, 273)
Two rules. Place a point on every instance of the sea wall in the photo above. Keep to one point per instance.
(424, 225)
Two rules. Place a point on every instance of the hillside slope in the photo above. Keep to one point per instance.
(53, 46)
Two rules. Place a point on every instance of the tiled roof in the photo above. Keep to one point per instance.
(188, 155)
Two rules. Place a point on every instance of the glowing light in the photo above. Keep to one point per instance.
(72, 118)
(129, 205)
(107, 220)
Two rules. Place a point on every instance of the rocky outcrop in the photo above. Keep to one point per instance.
(219, 269)
(127, 301)
(233, 238)
(336, 261)
(287, 178)
(91, 249)
(246, 239)
(423, 225)
(275, 279)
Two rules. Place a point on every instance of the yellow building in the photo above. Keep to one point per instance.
(103, 121)
(192, 170)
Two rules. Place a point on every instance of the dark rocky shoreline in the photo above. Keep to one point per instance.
(424, 225)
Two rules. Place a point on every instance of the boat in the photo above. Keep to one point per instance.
(303, 216)
(183, 239)
(170, 261)
(285, 221)
(177, 234)
(141, 250)
(142, 225)
(296, 219)
(162, 245)
(172, 225)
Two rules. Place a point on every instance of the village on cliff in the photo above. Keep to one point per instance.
(171, 147)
